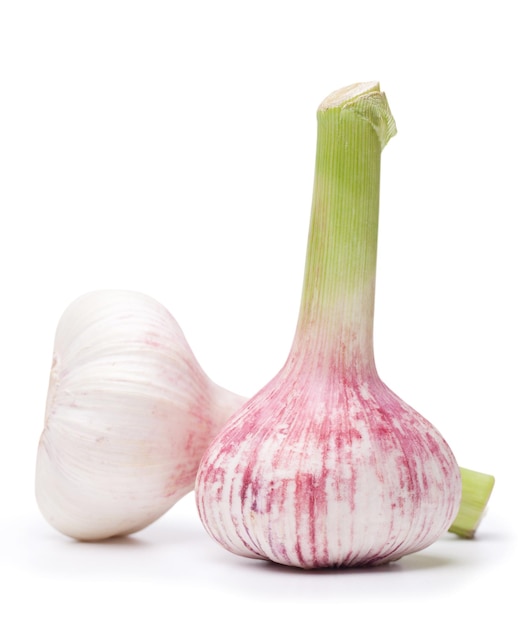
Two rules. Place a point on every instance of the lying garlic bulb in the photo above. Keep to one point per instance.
(129, 414)
(326, 466)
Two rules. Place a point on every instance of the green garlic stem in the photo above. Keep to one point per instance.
(337, 307)
(475, 494)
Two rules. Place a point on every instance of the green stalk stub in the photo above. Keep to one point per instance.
(475, 494)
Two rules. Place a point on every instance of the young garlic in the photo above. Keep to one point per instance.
(70, 495)
(326, 466)
(129, 413)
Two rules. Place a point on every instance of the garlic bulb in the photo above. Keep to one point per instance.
(326, 466)
(129, 413)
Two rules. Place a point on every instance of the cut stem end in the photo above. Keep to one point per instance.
(476, 490)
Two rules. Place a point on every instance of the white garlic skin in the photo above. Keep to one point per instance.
(129, 414)
(312, 474)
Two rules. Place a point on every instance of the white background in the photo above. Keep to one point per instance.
(168, 147)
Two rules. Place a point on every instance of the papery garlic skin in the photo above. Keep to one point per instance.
(129, 414)
(361, 480)
(326, 466)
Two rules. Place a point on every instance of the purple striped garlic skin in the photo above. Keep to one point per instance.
(326, 466)
(315, 474)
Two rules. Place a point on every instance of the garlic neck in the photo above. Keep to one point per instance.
(335, 325)
(223, 405)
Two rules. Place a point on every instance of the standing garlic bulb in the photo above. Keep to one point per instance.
(129, 414)
(326, 466)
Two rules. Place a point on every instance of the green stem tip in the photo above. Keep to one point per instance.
(475, 494)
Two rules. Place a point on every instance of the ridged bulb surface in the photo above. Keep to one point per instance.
(129, 414)
(313, 474)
